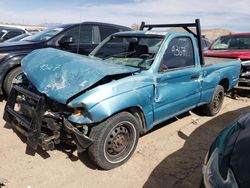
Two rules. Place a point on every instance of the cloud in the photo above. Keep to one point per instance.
(229, 14)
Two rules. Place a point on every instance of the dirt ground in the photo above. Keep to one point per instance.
(171, 155)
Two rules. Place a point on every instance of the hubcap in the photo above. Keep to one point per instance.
(217, 101)
(117, 140)
(120, 142)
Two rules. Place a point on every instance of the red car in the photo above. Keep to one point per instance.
(234, 46)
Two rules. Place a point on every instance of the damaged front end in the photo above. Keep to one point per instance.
(38, 105)
(42, 121)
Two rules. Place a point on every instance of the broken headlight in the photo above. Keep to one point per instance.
(79, 111)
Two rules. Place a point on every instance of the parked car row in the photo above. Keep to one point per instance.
(9, 32)
(77, 38)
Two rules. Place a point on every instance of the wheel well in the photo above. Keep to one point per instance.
(225, 84)
(139, 115)
(12, 68)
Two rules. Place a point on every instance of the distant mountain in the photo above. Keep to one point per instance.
(23, 26)
(49, 24)
(211, 34)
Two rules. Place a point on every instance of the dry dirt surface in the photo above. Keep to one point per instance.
(171, 155)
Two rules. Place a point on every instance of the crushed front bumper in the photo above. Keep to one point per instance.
(34, 128)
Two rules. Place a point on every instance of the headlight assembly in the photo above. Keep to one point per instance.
(79, 111)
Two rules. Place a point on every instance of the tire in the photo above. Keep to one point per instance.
(115, 140)
(7, 85)
(214, 106)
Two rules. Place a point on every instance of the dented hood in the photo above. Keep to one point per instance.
(61, 75)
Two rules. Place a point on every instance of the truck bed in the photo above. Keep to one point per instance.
(214, 60)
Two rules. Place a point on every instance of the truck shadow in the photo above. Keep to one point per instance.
(183, 168)
(179, 166)
(2, 98)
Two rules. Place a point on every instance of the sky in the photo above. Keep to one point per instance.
(228, 14)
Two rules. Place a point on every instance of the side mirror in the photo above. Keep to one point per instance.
(66, 40)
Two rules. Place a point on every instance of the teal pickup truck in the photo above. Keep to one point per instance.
(131, 82)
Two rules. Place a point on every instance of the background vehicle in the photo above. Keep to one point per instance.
(18, 38)
(227, 163)
(9, 32)
(234, 46)
(77, 38)
(205, 43)
(131, 82)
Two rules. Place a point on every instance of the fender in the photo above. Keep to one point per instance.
(212, 76)
(142, 98)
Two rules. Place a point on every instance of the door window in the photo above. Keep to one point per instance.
(179, 54)
(12, 34)
(86, 35)
(81, 34)
(106, 31)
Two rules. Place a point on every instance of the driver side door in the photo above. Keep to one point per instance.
(177, 87)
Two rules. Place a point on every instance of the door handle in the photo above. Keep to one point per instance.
(195, 76)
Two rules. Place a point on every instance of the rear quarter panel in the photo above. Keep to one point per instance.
(213, 74)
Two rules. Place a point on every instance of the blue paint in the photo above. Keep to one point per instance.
(159, 96)
(61, 75)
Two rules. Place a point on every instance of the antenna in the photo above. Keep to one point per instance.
(79, 35)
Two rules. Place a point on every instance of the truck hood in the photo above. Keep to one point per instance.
(242, 54)
(61, 75)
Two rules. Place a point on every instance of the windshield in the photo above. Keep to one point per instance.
(136, 51)
(45, 35)
(231, 42)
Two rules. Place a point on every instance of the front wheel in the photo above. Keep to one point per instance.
(114, 140)
(7, 85)
(214, 106)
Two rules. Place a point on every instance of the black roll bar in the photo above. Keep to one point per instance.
(185, 26)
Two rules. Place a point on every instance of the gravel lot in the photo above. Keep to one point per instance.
(169, 156)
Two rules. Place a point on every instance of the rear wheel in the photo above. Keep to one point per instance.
(114, 140)
(7, 85)
(214, 106)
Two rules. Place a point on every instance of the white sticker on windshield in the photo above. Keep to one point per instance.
(179, 51)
